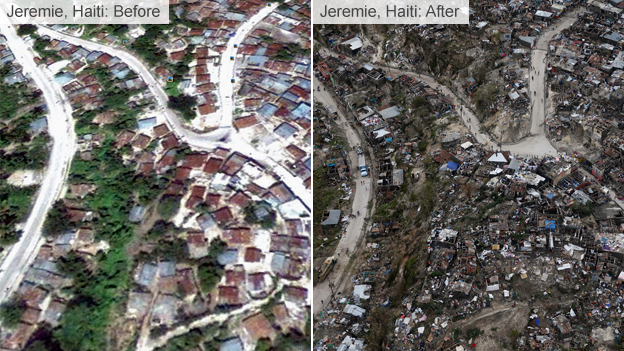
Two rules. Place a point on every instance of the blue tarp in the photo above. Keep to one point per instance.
(550, 196)
(537, 321)
(388, 140)
(452, 165)
(550, 225)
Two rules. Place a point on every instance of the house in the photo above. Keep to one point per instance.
(451, 140)
(331, 219)
(351, 45)
(197, 245)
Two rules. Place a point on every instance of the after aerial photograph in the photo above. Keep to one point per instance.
(469, 180)
(155, 181)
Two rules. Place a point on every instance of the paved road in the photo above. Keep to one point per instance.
(224, 136)
(227, 69)
(61, 129)
(355, 229)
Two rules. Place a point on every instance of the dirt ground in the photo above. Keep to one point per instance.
(497, 323)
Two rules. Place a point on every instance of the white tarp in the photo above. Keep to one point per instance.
(466, 145)
(362, 291)
(494, 287)
(354, 310)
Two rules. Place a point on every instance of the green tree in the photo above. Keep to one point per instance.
(11, 312)
(57, 221)
(26, 29)
(209, 275)
(169, 206)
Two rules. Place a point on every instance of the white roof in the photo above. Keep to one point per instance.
(390, 112)
(354, 43)
(466, 145)
(514, 95)
(381, 133)
(354, 310)
(543, 14)
(294, 209)
(497, 157)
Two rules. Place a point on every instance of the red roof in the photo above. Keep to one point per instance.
(213, 200)
(161, 130)
(182, 173)
(193, 201)
(223, 215)
(194, 160)
(170, 141)
(177, 56)
(253, 254)
(237, 235)
(245, 122)
(240, 198)
(213, 165)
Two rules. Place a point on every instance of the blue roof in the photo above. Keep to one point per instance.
(228, 257)
(267, 111)
(302, 111)
(147, 274)
(147, 123)
(304, 83)
(290, 96)
(452, 165)
(93, 56)
(285, 130)
(63, 78)
(234, 344)
(550, 225)
(38, 124)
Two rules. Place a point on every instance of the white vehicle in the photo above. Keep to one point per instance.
(362, 166)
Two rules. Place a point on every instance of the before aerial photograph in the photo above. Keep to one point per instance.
(155, 181)
(469, 181)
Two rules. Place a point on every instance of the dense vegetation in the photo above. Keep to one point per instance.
(210, 271)
(184, 104)
(26, 29)
(28, 151)
(57, 220)
(13, 97)
(40, 45)
(11, 312)
(169, 206)
(98, 286)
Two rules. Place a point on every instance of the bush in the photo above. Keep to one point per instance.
(169, 206)
(57, 221)
(473, 333)
(184, 104)
(11, 312)
(26, 29)
(209, 275)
